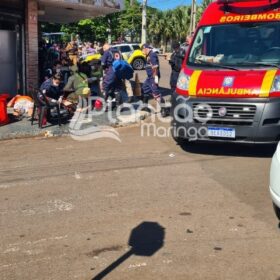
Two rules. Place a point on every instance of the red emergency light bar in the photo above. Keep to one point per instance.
(267, 5)
(238, 1)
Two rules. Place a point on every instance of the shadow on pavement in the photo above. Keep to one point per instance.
(13, 119)
(230, 149)
(145, 240)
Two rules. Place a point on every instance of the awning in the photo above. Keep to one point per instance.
(66, 11)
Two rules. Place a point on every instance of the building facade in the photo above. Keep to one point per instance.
(19, 22)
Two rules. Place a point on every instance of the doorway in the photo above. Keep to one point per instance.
(11, 55)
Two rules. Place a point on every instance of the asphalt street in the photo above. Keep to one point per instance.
(142, 208)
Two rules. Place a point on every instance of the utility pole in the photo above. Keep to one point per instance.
(193, 17)
(109, 30)
(144, 22)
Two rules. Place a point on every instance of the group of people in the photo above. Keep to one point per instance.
(69, 79)
(66, 80)
(65, 77)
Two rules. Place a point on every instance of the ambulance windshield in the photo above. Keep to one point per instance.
(237, 45)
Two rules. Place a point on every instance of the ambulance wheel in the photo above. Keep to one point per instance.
(138, 64)
(277, 211)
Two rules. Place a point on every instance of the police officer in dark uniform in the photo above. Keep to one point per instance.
(175, 62)
(110, 82)
(150, 85)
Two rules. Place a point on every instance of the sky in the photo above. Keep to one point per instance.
(168, 4)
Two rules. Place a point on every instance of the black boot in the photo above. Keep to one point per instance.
(146, 103)
(164, 112)
(130, 99)
(163, 109)
(118, 98)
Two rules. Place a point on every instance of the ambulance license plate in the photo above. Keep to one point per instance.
(221, 132)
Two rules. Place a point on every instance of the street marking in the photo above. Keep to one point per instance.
(59, 205)
(137, 265)
(112, 195)
(11, 250)
(77, 175)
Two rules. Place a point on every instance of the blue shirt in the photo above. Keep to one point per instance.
(52, 91)
(152, 64)
(109, 56)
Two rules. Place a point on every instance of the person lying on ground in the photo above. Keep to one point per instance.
(22, 105)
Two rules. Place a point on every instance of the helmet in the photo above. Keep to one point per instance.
(98, 104)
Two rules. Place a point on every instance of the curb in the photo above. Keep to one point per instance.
(64, 131)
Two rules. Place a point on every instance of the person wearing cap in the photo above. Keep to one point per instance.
(150, 85)
(110, 80)
(175, 62)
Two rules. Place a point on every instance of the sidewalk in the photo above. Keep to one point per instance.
(23, 128)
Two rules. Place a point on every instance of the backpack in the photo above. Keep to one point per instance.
(123, 69)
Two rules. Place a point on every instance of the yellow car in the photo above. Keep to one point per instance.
(132, 54)
(96, 56)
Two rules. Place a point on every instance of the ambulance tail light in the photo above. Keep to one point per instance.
(275, 89)
(183, 82)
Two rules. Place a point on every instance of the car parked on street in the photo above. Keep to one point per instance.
(133, 54)
(275, 181)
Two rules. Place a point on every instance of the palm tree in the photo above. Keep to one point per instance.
(155, 26)
(185, 22)
(202, 8)
(169, 25)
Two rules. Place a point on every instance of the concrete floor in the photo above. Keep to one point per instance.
(71, 209)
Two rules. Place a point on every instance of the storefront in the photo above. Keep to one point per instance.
(12, 46)
(19, 20)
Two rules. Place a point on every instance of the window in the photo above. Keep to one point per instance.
(125, 49)
(136, 47)
(240, 45)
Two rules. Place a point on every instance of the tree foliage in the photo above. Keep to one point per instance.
(130, 20)
(162, 26)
